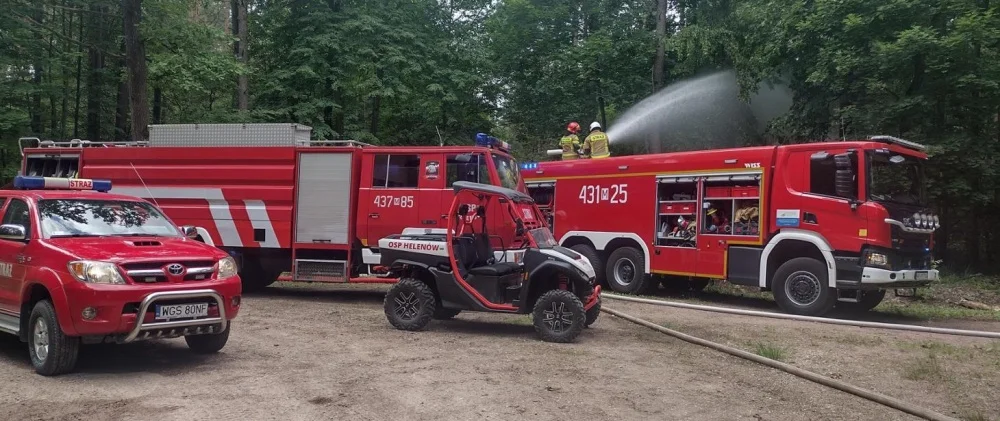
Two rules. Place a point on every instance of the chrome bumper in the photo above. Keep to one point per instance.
(185, 326)
(901, 278)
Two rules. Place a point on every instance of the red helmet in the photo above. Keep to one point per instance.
(573, 127)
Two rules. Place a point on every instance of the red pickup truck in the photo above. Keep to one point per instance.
(79, 265)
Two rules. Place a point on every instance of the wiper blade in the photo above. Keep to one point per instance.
(137, 234)
(76, 235)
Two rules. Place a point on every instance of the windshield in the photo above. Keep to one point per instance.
(99, 218)
(510, 175)
(896, 178)
(543, 238)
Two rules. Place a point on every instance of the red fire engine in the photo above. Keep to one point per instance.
(279, 202)
(814, 223)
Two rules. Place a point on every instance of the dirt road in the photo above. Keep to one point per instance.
(304, 353)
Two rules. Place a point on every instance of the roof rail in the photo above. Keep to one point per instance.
(336, 143)
(901, 142)
(73, 143)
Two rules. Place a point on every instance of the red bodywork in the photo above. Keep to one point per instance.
(247, 198)
(610, 202)
(39, 266)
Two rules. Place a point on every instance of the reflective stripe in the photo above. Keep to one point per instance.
(260, 220)
(598, 143)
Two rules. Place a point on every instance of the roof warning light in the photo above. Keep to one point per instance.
(52, 183)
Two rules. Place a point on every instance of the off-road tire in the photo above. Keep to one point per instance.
(628, 263)
(868, 301)
(409, 305)
(561, 308)
(209, 343)
(595, 261)
(441, 313)
(801, 286)
(593, 313)
(61, 351)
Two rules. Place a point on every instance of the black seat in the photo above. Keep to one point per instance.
(496, 269)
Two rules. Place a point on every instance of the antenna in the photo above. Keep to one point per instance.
(144, 185)
(440, 139)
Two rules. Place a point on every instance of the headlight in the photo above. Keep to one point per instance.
(95, 272)
(227, 268)
(877, 260)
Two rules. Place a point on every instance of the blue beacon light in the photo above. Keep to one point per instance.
(52, 183)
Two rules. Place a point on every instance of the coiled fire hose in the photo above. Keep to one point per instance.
(790, 369)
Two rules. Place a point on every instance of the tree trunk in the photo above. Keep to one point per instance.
(121, 112)
(376, 105)
(658, 64)
(157, 105)
(240, 25)
(38, 72)
(79, 75)
(135, 58)
(66, 24)
(95, 75)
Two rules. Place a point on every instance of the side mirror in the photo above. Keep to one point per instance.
(520, 227)
(190, 231)
(13, 232)
(846, 179)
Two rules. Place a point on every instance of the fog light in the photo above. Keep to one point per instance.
(878, 259)
(235, 300)
(89, 313)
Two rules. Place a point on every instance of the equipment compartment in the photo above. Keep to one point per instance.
(731, 205)
(677, 207)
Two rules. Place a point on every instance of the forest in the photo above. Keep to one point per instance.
(420, 72)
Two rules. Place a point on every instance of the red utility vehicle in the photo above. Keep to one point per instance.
(279, 202)
(83, 266)
(814, 223)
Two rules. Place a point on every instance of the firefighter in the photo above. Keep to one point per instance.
(596, 143)
(570, 143)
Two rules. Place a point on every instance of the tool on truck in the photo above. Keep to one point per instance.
(279, 202)
(444, 273)
(817, 224)
(79, 265)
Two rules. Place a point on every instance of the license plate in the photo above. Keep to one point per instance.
(921, 276)
(182, 311)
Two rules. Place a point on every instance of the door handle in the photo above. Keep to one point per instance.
(373, 215)
(430, 222)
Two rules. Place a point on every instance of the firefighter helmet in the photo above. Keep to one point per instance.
(573, 127)
(595, 125)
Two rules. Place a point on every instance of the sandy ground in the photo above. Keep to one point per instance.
(308, 352)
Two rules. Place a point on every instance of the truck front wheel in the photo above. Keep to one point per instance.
(626, 272)
(801, 287)
(867, 300)
(52, 352)
(409, 304)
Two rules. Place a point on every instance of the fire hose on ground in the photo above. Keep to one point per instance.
(788, 368)
(878, 325)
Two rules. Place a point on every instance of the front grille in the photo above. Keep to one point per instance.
(154, 272)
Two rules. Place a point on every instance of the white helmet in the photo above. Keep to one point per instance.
(595, 125)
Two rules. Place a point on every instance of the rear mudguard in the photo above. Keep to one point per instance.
(545, 276)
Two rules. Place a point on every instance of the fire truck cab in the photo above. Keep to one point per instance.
(815, 223)
(283, 205)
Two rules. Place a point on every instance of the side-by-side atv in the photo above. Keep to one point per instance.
(445, 271)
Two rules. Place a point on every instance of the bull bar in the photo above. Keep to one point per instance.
(171, 295)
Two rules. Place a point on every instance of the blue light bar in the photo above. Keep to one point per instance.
(529, 165)
(52, 183)
(485, 140)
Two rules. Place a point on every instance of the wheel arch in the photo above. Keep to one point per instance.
(606, 242)
(545, 278)
(789, 244)
(35, 291)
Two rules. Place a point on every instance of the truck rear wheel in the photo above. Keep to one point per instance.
(801, 287)
(51, 351)
(409, 305)
(595, 261)
(559, 316)
(626, 272)
(255, 277)
(209, 343)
